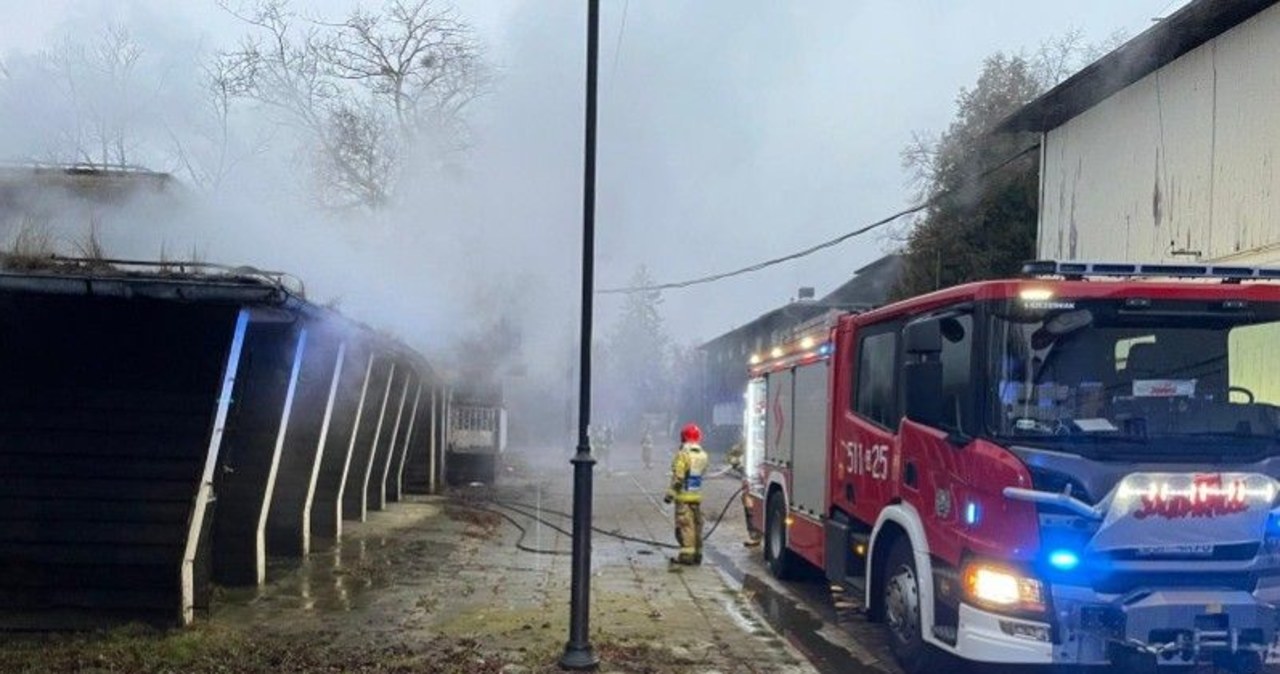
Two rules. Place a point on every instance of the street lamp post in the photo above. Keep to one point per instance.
(578, 654)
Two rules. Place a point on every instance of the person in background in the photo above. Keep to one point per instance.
(687, 470)
(646, 448)
(735, 456)
(603, 446)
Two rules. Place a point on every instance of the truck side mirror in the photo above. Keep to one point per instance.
(922, 375)
(923, 338)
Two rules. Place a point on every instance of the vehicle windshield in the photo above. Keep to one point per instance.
(1135, 370)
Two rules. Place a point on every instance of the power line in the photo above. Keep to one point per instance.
(617, 48)
(815, 248)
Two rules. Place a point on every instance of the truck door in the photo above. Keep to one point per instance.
(864, 436)
(928, 454)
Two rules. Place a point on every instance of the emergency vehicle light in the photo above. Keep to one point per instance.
(1077, 270)
(1273, 526)
(1064, 560)
(1234, 492)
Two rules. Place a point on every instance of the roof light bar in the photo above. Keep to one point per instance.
(1041, 268)
(780, 357)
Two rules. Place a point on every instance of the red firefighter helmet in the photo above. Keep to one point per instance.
(691, 433)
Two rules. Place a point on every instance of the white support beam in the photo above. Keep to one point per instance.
(373, 448)
(260, 537)
(319, 457)
(408, 439)
(205, 488)
(391, 446)
(351, 447)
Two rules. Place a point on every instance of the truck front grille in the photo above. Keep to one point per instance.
(1121, 582)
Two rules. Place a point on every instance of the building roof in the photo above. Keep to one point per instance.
(870, 286)
(787, 314)
(1195, 24)
(85, 181)
(44, 190)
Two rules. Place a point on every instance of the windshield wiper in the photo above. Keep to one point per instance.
(1107, 438)
(1099, 438)
(1234, 435)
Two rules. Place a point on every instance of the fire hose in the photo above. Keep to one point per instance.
(524, 509)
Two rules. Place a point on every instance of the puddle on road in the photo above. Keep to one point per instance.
(382, 560)
(812, 620)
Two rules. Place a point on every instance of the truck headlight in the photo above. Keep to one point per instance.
(1003, 588)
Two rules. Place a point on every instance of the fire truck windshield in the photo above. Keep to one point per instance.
(1169, 375)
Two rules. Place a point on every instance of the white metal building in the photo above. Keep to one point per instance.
(1167, 149)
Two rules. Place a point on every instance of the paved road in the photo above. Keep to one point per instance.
(824, 625)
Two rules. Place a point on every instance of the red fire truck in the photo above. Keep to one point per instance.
(1075, 467)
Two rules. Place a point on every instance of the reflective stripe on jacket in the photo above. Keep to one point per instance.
(687, 470)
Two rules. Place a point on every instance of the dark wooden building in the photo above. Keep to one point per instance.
(714, 396)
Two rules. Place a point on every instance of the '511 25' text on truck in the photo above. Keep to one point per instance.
(1076, 467)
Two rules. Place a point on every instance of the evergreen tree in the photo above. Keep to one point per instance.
(638, 369)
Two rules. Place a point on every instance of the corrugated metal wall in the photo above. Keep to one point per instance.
(1179, 166)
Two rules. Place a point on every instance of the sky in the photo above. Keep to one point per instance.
(730, 131)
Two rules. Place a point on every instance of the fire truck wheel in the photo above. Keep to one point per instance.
(900, 599)
(781, 561)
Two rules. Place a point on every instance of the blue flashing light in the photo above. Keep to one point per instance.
(824, 349)
(1064, 560)
(972, 514)
(1273, 526)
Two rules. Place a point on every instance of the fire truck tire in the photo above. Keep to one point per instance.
(781, 561)
(901, 601)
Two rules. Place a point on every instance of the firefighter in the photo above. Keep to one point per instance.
(646, 449)
(735, 457)
(604, 439)
(687, 470)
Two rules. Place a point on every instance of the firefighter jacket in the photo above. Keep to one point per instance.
(687, 470)
(735, 455)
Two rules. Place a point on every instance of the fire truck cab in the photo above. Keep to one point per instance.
(1077, 467)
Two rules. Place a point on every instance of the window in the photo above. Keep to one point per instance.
(1253, 368)
(957, 369)
(875, 391)
(1124, 346)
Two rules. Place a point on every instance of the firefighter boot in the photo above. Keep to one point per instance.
(753, 537)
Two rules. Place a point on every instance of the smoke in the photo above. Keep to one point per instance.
(729, 133)
(477, 243)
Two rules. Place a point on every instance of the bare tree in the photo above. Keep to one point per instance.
(362, 89)
(981, 187)
(1061, 57)
(207, 151)
(421, 62)
(98, 80)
